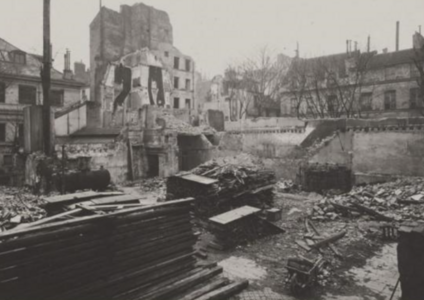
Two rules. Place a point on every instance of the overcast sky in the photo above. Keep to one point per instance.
(218, 32)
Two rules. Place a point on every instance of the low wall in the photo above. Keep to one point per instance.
(263, 122)
(389, 152)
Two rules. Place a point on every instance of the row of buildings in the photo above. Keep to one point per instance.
(350, 84)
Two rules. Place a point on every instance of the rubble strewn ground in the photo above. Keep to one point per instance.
(18, 206)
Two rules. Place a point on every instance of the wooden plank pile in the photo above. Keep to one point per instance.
(136, 253)
(238, 226)
(223, 187)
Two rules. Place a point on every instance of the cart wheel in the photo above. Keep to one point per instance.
(295, 285)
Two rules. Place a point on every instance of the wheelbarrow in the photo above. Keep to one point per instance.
(302, 273)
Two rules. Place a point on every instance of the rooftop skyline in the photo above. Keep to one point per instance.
(216, 32)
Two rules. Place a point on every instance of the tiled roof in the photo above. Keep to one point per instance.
(32, 66)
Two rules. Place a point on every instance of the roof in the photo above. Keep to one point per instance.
(32, 67)
(97, 132)
(384, 60)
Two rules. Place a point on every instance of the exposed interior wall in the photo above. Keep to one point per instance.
(71, 122)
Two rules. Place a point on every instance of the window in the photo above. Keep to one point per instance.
(331, 102)
(176, 82)
(389, 100)
(187, 103)
(166, 54)
(176, 102)
(187, 65)
(2, 132)
(415, 98)
(293, 106)
(8, 160)
(2, 92)
(27, 94)
(18, 57)
(136, 82)
(187, 84)
(176, 63)
(56, 97)
(21, 134)
(365, 101)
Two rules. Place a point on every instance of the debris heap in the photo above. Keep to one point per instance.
(137, 253)
(400, 200)
(232, 186)
(18, 206)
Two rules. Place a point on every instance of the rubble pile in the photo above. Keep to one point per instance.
(235, 186)
(18, 206)
(400, 200)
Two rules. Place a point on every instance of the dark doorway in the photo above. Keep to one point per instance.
(153, 165)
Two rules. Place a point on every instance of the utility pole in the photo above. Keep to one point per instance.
(45, 79)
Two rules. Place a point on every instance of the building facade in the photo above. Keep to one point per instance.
(356, 84)
(20, 86)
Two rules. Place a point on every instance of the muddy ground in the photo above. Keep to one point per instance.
(361, 245)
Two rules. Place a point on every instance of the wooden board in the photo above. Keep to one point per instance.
(235, 214)
(79, 196)
(199, 179)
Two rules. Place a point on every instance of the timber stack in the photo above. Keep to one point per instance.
(221, 187)
(144, 252)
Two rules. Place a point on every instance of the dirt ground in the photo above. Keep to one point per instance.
(360, 247)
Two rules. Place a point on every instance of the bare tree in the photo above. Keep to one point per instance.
(257, 79)
(328, 86)
(418, 61)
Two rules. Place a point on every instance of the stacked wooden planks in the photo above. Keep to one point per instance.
(220, 188)
(239, 226)
(138, 253)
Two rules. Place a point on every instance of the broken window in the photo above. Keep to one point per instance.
(365, 101)
(2, 92)
(188, 103)
(187, 65)
(27, 94)
(176, 102)
(176, 63)
(389, 100)
(166, 54)
(293, 106)
(56, 97)
(187, 84)
(176, 82)
(2, 132)
(415, 98)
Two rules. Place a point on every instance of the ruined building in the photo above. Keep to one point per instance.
(135, 29)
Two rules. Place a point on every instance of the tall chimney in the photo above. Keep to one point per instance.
(397, 36)
(368, 43)
(67, 72)
(347, 46)
(356, 46)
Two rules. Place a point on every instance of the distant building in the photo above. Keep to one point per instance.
(386, 88)
(113, 35)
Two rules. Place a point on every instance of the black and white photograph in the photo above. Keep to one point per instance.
(211, 150)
